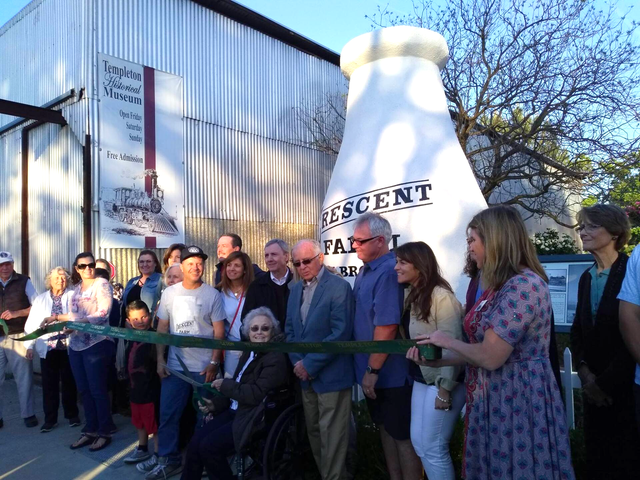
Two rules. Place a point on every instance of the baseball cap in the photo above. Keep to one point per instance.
(192, 251)
(5, 257)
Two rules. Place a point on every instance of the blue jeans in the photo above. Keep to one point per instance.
(174, 395)
(209, 448)
(90, 369)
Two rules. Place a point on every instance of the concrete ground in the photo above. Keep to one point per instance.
(25, 453)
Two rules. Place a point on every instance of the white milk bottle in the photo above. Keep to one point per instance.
(400, 156)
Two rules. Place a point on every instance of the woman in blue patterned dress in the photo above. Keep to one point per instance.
(515, 426)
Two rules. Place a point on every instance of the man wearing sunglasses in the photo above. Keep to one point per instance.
(17, 293)
(385, 379)
(320, 309)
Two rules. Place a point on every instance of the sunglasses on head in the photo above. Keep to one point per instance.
(304, 262)
(256, 328)
(82, 266)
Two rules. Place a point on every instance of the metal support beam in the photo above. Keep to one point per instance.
(47, 106)
(30, 112)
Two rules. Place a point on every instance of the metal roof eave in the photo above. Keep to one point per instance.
(252, 19)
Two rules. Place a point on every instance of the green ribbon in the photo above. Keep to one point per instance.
(430, 352)
(3, 324)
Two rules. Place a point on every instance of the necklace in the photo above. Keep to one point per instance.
(237, 293)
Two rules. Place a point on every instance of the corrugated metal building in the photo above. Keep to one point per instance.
(248, 168)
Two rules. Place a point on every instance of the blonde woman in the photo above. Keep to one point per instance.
(515, 423)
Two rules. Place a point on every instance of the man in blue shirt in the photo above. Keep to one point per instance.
(385, 379)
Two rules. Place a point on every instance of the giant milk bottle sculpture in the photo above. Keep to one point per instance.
(400, 156)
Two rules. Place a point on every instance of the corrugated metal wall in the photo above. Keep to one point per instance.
(246, 165)
(233, 175)
(235, 77)
(55, 200)
(10, 193)
(42, 52)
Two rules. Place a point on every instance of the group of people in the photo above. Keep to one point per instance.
(498, 351)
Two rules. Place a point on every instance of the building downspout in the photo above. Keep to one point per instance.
(24, 216)
(86, 193)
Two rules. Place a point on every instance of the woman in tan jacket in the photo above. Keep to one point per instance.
(437, 396)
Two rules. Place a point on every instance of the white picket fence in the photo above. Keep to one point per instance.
(570, 380)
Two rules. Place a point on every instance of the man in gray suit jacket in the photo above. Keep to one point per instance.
(321, 309)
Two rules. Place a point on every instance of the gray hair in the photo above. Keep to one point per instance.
(166, 273)
(260, 312)
(316, 244)
(59, 270)
(281, 243)
(378, 225)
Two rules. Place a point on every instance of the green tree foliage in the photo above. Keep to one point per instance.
(543, 93)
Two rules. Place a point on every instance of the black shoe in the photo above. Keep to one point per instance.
(31, 421)
(1, 423)
(74, 422)
(47, 427)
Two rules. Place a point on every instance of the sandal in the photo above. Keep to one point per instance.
(99, 443)
(83, 441)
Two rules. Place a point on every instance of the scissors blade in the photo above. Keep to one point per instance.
(185, 369)
(182, 376)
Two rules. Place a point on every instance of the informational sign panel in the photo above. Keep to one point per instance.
(564, 273)
(141, 164)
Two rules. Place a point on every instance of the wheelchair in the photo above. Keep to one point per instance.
(279, 445)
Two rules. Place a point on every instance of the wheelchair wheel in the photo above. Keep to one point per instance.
(286, 446)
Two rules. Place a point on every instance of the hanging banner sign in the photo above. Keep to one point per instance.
(141, 164)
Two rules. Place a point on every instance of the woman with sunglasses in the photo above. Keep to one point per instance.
(603, 363)
(89, 354)
(256, 375)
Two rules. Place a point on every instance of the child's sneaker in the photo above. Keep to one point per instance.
(148, 465)
(138, 456)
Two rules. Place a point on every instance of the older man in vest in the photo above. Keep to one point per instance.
(17, 293)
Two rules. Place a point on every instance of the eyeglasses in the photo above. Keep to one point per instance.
(355, 241)
(589, 227)
(263, 328)
(304, 262)
(82, 266)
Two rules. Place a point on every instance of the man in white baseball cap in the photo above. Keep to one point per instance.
(17, 293)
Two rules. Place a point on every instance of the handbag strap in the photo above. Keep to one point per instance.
(237, 310)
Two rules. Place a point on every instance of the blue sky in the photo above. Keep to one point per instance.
(331, 23)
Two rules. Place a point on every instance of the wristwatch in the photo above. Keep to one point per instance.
(373, 371)
(215, 363)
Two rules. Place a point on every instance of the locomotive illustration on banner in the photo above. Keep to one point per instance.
(137, 208)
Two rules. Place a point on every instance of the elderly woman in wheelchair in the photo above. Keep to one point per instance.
(228, 428)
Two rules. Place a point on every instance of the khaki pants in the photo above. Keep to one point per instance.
(327, 416)
(12, 354)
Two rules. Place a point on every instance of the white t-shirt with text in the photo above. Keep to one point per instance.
(191, 313)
